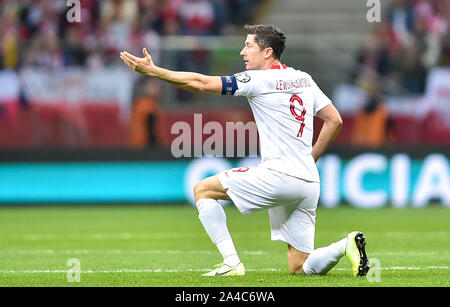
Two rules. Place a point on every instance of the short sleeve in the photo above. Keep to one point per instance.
(240, 84)
(320, 99)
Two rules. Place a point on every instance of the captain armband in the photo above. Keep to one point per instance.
(229, 85)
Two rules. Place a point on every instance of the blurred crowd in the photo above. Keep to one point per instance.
(55, 34)
(37, 32)
(413, 37)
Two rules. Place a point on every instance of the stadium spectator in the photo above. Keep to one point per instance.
(371, 127)
(146, 115)
(197, 18)
(242, 11)
(8, 38)
(446, 52)
(401, 17)
(74, 54)
(374, 58)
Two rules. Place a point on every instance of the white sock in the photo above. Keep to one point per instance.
(214, 221)
(323, 259)
(228, 251)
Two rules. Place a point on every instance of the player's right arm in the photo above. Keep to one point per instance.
(186, 80)
(332, 124)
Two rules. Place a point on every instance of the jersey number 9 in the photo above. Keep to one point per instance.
(300, 117)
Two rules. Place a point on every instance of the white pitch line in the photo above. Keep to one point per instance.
(418, 234)
(207, 252)
(126, 271)
(103, 236)
(120, 252)
(395, 268)
(410, 253)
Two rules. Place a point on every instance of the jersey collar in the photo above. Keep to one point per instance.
(284, 66)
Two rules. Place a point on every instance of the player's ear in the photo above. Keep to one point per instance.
(268, 52)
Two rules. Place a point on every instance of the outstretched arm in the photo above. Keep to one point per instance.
(331, 127)
(185, 80)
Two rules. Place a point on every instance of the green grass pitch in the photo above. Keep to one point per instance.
(166, 246)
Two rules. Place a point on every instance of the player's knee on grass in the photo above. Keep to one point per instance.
(296, 259)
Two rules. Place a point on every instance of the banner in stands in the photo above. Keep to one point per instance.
(72, 87)
(369, 180)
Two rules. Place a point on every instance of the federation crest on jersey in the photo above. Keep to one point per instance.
(242, 77)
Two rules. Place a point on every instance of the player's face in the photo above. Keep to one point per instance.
(253, 55)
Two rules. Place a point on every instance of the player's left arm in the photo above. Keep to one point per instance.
(186, 80)
(330, 129)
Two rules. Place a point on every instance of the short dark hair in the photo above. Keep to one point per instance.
(268, 36)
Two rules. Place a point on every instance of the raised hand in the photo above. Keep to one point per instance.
(142, 65)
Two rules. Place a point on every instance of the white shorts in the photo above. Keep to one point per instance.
(292, 202)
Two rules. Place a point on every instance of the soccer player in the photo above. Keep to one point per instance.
(286, 183)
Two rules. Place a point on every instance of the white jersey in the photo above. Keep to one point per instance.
(284, 102)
